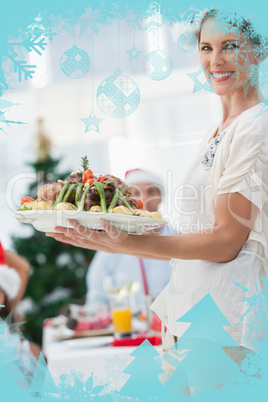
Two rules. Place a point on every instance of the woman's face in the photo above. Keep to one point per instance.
(227, 57)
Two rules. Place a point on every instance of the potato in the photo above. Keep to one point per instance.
(95, 208)
(121, 210)
(142, 213)
(41, 205)
(156, 215)
(65, 206)
(28, 204)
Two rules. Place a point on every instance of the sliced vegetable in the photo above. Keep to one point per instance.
(100, 189)
(140, 204)
(87, 175)
(26, 199)
(69, 192)
(114, 200)
(90, 181)
(102, 178)
(124, 201)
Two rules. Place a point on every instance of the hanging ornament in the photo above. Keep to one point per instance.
(75, 62)
(157, 65)
(118, 96)
(92, 122)
(133, 53)
(187, 42)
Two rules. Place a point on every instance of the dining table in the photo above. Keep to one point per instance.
(70, 358)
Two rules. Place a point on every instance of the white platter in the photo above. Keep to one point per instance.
(45, 221)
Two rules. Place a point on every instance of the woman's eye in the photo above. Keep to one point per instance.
(231, 46)
(206, 48)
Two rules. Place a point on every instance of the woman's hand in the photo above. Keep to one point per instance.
(234, 218)
(110, 239)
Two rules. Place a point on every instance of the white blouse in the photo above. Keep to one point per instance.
(236, 160)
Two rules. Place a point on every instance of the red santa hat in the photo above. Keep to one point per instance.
(139, 176)
(10, 281)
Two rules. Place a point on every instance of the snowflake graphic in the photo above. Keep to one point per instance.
(240, 70)
(74, 385)
(259, 75)
(114, 372)
(241, 52)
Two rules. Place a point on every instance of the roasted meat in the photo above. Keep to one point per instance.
(49, 192)
(120, 184)
(75, 177)
(92, 199)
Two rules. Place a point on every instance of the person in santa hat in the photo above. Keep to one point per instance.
(14, 273)
(105, 268)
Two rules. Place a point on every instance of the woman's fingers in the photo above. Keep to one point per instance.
(110, 229)
(81, 242)
(109, 239)
(118, 236)
(80, 229)
(65, 239)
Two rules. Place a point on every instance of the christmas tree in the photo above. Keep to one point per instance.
(145, 369)
(206, 364)
(42, 381)
(57, 270)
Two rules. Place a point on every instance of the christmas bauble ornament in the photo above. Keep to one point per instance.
(187, 42)
(157, 65)
(118, 95)
(75, 62)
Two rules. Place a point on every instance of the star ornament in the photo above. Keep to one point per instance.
(92, 123)
(200, 81)
(133, 54)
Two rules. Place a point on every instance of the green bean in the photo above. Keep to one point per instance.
(114, 200)
(70, 189)
(77, 194)
(83, 199)
(100, 189)
(61, 195)
(124, 201)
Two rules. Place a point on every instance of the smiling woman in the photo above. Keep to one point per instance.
(228, 52)
(223, 245)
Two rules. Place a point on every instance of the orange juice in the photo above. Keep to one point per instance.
(121, 319)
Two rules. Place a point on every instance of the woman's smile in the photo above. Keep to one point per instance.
(219, 76)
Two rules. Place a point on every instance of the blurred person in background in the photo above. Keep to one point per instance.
(14, 273)
(118, 269)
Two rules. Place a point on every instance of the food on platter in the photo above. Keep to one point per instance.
(121, 209)
(84, 191)
(65, 206)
